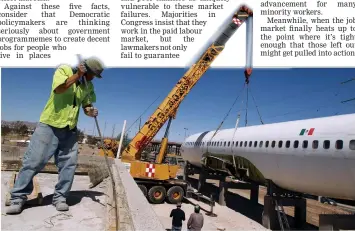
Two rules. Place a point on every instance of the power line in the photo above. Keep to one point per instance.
(348, 100)
(128, 130)
(307, 91)
(347, 81)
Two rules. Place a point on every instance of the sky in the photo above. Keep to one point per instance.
(125, 93)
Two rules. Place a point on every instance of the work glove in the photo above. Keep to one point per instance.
(81, 69)
(91, 111)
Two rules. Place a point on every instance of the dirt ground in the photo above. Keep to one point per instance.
(227, 219)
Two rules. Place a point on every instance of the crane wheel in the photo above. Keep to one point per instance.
(156, 194)
(175, 194)
(144, 189)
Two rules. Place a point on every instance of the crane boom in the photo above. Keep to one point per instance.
(167, 109)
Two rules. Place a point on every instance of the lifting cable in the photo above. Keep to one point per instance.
(246, 105)
(248, 65)
(225, 117)
(256, 106)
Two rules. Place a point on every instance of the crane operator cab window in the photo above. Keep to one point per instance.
(170, 160)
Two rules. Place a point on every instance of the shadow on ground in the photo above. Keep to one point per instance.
(240, 204)
(74, 198)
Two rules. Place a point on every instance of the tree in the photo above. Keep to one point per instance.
(20, 128)
(23, 129)
(5, 130)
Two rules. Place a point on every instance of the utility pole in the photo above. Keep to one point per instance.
(103, 135)
(140, 121)
(185, 131)
(93, 130)
(113, 130)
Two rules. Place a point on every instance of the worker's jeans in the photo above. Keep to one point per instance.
(45, 142)
(175, 228)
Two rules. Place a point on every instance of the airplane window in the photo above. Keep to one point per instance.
(236, 143)
(288, 143)
(352, 144)
(245, 143)
(229, 143)
(241, 143)
(326, 144)
(266, 144)
(273, 144)
(305, 144)
(280, 144)
(225, 143)
(255, 144)
(339, 144)
(232, 143)
(315, 144)
(296, 143)
(250, 143)
(260, 144)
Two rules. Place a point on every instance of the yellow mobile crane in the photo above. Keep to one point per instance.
(156, 179)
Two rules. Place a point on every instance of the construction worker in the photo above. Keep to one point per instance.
(195, 222)
(56, 133)
(178, 216)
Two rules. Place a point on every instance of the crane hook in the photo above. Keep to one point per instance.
(247, 73)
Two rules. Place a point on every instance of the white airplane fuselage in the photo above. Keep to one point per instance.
(313, 156)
